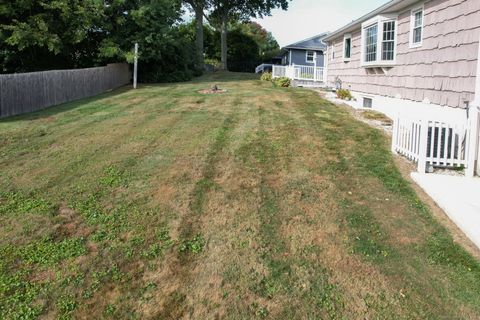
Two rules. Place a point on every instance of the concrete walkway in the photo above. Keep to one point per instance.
(458, 196)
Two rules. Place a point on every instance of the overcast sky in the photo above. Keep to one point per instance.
(306, 18)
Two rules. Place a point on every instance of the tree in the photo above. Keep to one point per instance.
(242, 52)
(166, 54)
(199, 6)
(36, 35)
(226, 11)
(267, 45)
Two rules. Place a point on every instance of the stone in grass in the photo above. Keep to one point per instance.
(214, 89)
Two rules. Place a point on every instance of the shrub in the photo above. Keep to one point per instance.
(267, 76)
(282, 82)
(344, 94)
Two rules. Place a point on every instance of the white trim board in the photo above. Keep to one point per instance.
(393, 107)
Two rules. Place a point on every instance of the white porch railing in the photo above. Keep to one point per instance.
(438, 143)
(299, 72)
(279, 71)
(261, 68)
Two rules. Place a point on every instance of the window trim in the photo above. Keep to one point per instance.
(413, 12)
(379, 21)
(314, 56)
(345, 38)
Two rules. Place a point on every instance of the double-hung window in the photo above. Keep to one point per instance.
(379, 41)
(310, 56)
(416, 27)
(388, 42)
(371, 35)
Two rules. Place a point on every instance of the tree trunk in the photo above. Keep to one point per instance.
(199, 35)
(223, 31)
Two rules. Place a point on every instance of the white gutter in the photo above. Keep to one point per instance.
(354, 24)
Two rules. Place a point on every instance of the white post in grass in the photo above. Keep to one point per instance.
(135, 66)
(422, 157)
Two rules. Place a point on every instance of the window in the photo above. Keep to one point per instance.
(367, 103)
(371, 34)
(388, 42)
(416, 26)
(310, 56)
(379, 41)
(347, 47)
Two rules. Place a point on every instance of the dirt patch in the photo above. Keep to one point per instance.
(212, 91)
(70, 223)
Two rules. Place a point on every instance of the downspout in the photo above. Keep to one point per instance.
(473, 114)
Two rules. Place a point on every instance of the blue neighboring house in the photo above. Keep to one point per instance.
(306, 51)
(301, 53)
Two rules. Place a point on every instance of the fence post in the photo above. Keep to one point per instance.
(135, 67)
(472, 141)
(422, 157)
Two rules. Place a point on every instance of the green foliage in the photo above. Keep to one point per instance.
(268, 46)
(267, 76)
(442, 250)
(38, 35)
(243, 52)
(113, 177)
(47, 252)
(194, 245)
(17, 203)
(75, 33)
(282, 82)
(66, 306)
(17, 295)
(344, 94)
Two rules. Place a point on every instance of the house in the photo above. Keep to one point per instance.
(302, 61)
(418, 62)
(308, 52)
(410, 56)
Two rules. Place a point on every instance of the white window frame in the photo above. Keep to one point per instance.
(314, 56)
(345, 38)
(414, 11)
(379, 21)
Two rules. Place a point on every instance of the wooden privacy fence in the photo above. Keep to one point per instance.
(27, 92)
(438, 143)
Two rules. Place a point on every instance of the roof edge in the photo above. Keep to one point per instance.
(321, 35)
(362, 19)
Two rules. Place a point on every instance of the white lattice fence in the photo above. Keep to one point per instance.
(437, 143)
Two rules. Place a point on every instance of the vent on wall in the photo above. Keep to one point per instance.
(367, 102)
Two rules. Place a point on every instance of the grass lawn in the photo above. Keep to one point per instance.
(263, 202)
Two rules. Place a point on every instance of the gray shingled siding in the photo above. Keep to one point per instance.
(299, 57)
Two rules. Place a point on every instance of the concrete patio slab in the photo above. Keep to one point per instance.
(458, 196)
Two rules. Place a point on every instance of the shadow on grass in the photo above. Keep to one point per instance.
(216, 77)
(67, 106)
